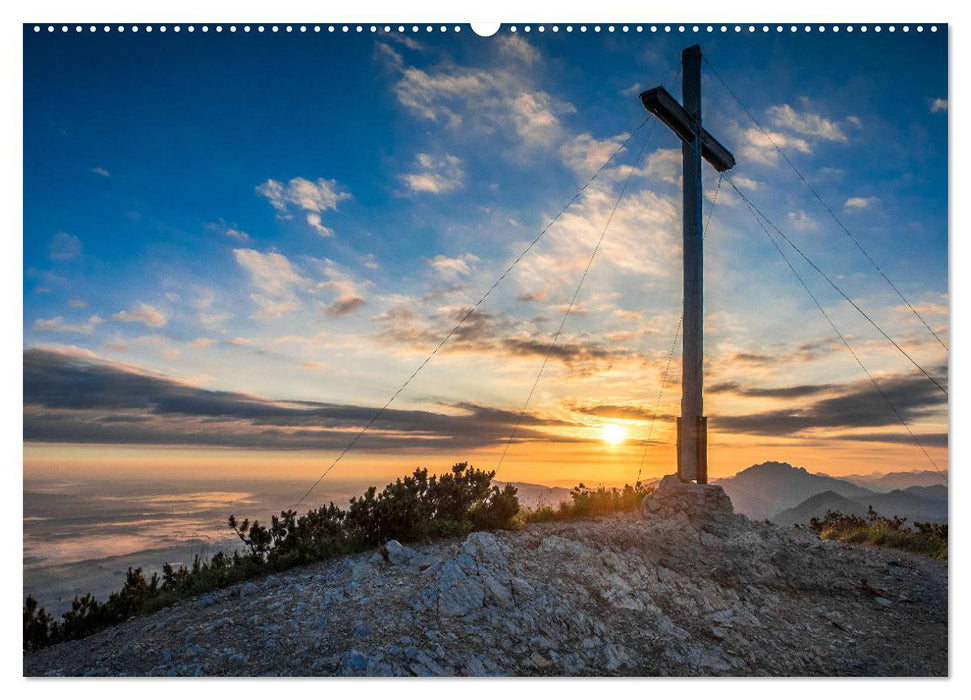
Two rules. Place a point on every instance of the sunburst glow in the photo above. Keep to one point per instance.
(613, 433)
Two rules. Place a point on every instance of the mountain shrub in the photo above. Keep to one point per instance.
(929, 539)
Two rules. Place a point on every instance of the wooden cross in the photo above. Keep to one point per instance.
(697, 144)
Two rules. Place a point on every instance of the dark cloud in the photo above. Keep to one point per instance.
(786, 392)
(345, 306)
(805, 352)
(622, 412)
(858, 405)
(927, 440)
(496, 335)
(71, 399)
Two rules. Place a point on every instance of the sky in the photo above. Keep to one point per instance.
(237, 247)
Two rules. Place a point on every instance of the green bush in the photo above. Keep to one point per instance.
(414, 508)
(586, 502)
(929, 539)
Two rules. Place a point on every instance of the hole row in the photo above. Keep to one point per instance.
(387, 29)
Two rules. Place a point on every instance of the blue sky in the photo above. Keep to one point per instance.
(254, 220)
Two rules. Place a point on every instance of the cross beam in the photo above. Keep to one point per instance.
(697, 143)
(659, 102)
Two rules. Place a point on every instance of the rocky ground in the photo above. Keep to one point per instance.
(684, 588)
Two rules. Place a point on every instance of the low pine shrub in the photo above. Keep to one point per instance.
(414, 508)
(586, 502)
(929, 539)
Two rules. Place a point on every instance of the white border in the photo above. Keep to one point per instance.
(439, 11)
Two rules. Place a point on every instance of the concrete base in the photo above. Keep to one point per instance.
(697, 501)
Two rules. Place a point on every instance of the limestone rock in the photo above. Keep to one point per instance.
(398, 554)
(697, 501)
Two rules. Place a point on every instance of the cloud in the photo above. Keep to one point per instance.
(502, 98)
(518, 49)
(145, 314)
(926, 439)
(786, 392)
(348, 289)
(938, 104)
(312, 198)
(206, 313)
(313, 218)
(860, 202)
(856, 405)
(805, 123)
(309, 196)
(64, 246)
(68, 398)
(344, 305)
(801, 221)
(435, 174)
(451, 268)
(202, 343)
(274, 279)
(664, 164)
(496, 335)
(231, 231)
(622, 412)
(790, 130)
(760, 146)
(388, 56)
(584, 154)
(58, 325)
(100, 171)
(77, 304)
(745, 183)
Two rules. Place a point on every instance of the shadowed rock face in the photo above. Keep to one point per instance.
(696, 501)
(688, 589)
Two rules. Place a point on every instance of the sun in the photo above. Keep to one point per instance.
(613, 434)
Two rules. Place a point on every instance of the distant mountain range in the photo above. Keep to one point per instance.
(883, 483)
(537, 495)
(784, 494)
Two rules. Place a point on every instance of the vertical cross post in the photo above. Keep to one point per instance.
(697, 145)
(692, 464)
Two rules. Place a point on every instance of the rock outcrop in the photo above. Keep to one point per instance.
(689, 588)
(696, 501)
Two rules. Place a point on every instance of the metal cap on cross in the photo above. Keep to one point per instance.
(697, 144)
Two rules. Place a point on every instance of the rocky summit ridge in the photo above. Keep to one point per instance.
(686, 587)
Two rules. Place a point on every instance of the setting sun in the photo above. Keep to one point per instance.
(613, 433)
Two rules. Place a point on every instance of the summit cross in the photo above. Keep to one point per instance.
(697, 144)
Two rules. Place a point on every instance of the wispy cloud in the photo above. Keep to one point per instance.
(64, 247)
(310, 197)
(100, 171)
(340, 281)
(938, 104)
(801, 221)
(452, 268)
(501, 98)
(231, 231)
(805, 123)
(584, 153)
(59, 325)
(274, 279)
(435, 174)
(146, 314)
(791, 130)
(860, 202)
